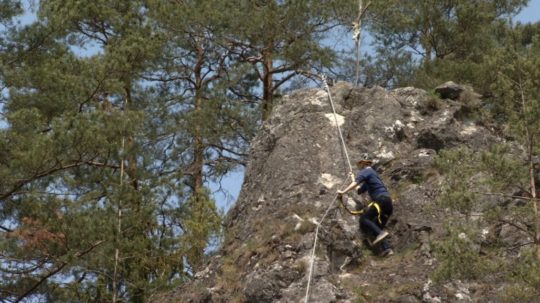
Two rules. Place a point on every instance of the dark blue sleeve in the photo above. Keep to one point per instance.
(361, 177)
(363, 188)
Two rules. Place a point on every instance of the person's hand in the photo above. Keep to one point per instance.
(340, 192)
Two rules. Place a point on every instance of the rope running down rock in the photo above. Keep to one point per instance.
(344, 146)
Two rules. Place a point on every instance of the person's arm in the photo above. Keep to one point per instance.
(362, 189)
(354, 185)
(348, 188)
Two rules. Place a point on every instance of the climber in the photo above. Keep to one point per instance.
(377, 213)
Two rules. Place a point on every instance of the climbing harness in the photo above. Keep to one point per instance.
(363, 210)
(352, 212)
(378, 208)
(344, 146)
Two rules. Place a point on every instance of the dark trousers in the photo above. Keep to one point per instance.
(372, 222)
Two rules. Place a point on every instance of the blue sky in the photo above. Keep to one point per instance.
(531, 13)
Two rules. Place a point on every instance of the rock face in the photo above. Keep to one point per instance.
(449, 90)
(296, 166)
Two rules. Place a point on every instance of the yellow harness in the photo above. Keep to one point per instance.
(359, 212)
(378, 207)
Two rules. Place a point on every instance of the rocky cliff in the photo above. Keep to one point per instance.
(296, 166)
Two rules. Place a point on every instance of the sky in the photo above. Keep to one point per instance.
(531, 13)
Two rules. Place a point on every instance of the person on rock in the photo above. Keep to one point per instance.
(376, 214)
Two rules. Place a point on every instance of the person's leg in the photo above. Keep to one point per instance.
(385, 244)
(370, 221)
(387, 249)
(387, 209)
(367, 221)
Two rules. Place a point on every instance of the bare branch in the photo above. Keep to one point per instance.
(5, 229)
(500, 195)
(523, 229)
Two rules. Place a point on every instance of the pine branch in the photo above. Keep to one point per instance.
(221, 148)
(6, 229)
(284, 79)
(27, 270)
(22, 182)
(55, 271)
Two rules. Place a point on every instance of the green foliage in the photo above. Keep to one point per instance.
(491, 172)
(387, 68)
(116, 114)
(517, 92)
(517, 103)
(457, 166)
(92, 192)
(448, 39)
(459, 255)
(525, 279)
(202, 222)
(432, 73)
(9, 8)
(431, 103)
(362, 295)
(281, 38)
(506, 169)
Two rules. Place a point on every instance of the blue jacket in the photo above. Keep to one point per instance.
(372, 183)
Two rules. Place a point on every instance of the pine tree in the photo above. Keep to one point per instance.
(508, 171)
(118, 147)
(281, 39)
(88, 207)
(195, 72)
(448, 39)
(517, 89)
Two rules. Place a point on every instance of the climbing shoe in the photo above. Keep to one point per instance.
(387, 253)
(380, 237)
(368, 242)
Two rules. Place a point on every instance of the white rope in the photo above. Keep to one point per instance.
(357, 32)
(337, 124)
(323, 77)
(314, 248)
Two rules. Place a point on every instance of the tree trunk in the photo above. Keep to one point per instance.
(268, 84)
(139, 293)
(132, 160)
(196, 167)
(530, 150)
(357, 31)
(534, 199)
(198, 151)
